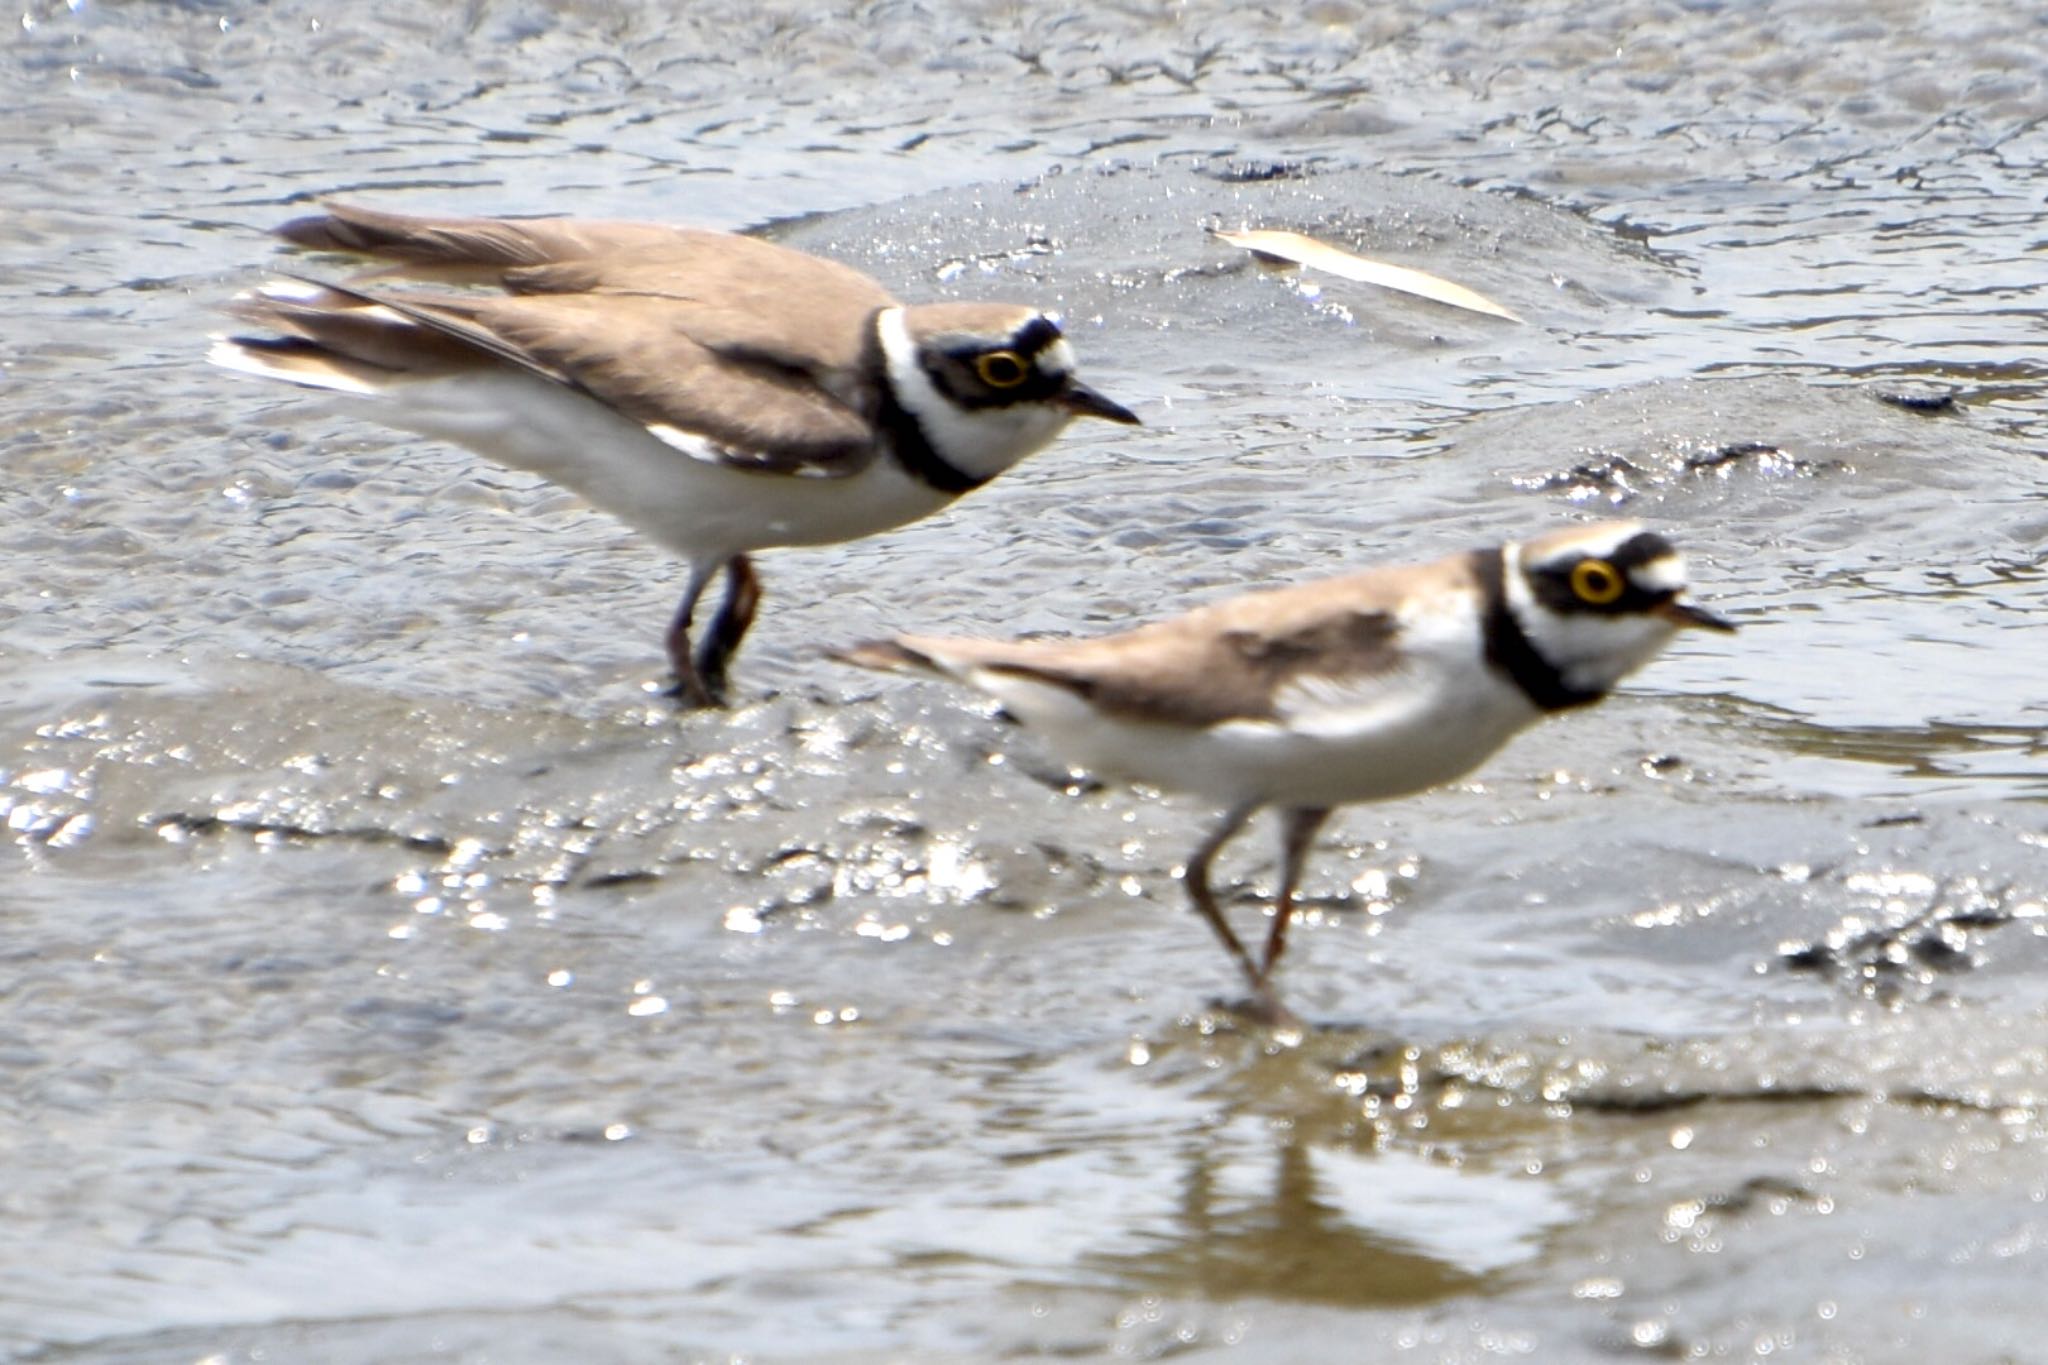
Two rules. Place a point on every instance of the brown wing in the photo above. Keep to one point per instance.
(753, 411)
(732, 291)
(576, 255)
(464, 250)
(1220, 663)
(710, 407)
(742, 343)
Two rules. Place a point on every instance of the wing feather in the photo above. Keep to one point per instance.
(1249, 659)
(711, 339)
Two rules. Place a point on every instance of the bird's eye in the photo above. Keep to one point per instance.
(1001, 369)
(1596, 582)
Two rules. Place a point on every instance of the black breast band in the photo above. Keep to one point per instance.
(1509, 648)
(906, 436)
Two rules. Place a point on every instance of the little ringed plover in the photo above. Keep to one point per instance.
(1360, 688)
(719, 393)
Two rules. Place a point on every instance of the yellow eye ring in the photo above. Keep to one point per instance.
(1001, 369)
(1597, 582)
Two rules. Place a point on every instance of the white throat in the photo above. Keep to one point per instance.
(979, 442)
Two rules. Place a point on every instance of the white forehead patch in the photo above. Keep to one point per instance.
(1664, 574)
(1601, 540)
(1057, 359)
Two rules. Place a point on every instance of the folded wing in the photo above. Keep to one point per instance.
(710, 340)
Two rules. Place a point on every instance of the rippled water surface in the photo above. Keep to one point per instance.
(388, 976)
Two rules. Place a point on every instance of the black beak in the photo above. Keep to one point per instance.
(1684, 614)
(1083, 401)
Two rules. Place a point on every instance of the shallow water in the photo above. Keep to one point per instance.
(389, 976)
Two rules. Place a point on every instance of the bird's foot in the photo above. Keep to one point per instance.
(690, 693)
(1263, 1010)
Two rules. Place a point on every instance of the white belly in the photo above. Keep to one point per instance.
(1333, 741)
(695, 508)
(1257, 760)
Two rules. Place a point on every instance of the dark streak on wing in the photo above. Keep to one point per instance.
(1222, 663)
(631, 353)
(758, 415)
(710, 333)
(344, 323)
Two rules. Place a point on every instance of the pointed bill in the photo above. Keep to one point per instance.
(1302, 250)
(1685, 614)
(1083, 401)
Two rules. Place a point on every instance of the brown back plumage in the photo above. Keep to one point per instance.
(1217, 663)
(751, 345)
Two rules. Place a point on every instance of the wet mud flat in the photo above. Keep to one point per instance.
(391, 976)
(608, 1057)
